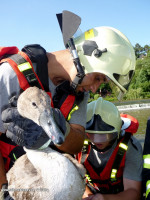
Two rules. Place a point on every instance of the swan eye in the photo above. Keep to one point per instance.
(34, 104)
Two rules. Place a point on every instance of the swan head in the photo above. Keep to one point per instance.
(35, 104)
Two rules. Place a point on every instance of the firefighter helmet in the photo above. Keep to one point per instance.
(108, 51)
(103, 118)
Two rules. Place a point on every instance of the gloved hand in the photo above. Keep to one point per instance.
(61, 122)
(22, 131)
(25, 132)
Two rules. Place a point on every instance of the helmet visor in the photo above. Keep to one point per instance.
(123, 80)
(97, 125)
(101, 138)
(116, 90)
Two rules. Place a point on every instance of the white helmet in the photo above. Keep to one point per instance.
(103, 118)
(108, 51)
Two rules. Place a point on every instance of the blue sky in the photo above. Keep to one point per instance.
(34, 21)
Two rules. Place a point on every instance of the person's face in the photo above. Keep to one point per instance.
(102, 145)
(101, 141)
(91, 82)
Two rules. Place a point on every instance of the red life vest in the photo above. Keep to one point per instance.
(24, 82)
(10, 151)
(12, 55)
(134, 123)
(110, 179)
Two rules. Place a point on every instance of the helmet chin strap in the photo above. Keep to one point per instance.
(77, 80)
(80, 69)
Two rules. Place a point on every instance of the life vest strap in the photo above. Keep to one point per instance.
(123, 146)
(25, 68)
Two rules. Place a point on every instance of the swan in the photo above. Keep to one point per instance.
(44, 174)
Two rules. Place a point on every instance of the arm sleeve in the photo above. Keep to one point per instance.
(79, 116)
(9, 86)
(134, 161)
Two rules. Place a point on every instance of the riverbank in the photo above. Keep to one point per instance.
(131, 102)
(140, 109)
(134, 106)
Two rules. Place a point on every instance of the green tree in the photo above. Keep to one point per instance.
(146, 48)
(138, 49)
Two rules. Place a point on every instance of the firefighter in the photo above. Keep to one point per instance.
(111, 155)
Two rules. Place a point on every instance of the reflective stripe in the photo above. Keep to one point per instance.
(147, 188)
(146, 163)
(146, 156)
(113, 173)
(74, 109)
(86, 142)
(90, 181)
(89, 34)
(124, 146)
(24, 66)
(14, 156)
(88, 177)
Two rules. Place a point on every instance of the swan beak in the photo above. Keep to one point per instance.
(48, 123)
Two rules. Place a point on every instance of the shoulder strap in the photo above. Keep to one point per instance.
(22, 65)
(37, 54)
(123, 146)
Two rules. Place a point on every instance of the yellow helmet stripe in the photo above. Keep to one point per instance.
(89, 34)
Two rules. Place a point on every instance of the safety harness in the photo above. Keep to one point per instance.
(22, 65)
(110, 179)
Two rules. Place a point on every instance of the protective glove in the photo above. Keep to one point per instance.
(61, 122)
(25, 132)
